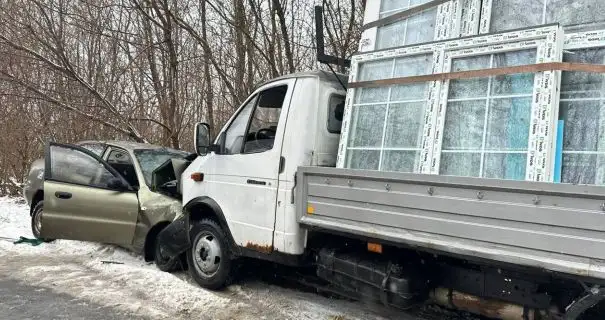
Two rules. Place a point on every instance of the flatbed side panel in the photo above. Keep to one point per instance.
(558, 227)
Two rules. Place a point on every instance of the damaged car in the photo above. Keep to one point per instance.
(120, 193)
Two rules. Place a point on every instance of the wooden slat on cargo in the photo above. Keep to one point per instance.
(529, 68)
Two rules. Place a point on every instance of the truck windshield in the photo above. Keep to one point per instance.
(150, 159)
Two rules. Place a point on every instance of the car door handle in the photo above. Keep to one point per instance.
(63, 195)
(256, 182)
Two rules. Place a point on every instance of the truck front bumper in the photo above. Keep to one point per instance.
(174, 239)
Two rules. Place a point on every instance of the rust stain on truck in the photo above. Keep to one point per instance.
(259, 248)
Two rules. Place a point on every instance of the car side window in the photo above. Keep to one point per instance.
(74, 166)
(263, 124)
(234, 136)
(120, 160)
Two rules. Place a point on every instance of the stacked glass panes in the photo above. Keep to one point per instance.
(487, 120)
(386, 122)
(418, 28)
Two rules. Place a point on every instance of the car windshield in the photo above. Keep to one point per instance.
(150, 159)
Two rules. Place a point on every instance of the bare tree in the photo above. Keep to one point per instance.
(145, 70)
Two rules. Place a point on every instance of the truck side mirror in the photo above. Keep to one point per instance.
(202, 138)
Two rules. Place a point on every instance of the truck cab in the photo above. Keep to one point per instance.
(245, 180)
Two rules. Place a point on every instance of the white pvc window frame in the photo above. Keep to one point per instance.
(455, 18)
(430, 97)
(585, 40)
(547, 40)
(578, 41)
(486, 16)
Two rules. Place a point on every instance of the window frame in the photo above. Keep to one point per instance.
(486, 19)
(255, 95)
(220, 140)
(110, 148)
(445, 100)
(122, 150)
(48, 165)
(577, 42)
(101, 144)
(344, 100)
(455, 18)
(277, 85)
(391, 56)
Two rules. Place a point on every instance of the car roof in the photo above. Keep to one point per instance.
(128, 145)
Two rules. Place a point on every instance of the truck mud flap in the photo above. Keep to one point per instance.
(369, 279)
(174, 239)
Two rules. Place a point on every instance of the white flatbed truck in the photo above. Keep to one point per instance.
(268, 188)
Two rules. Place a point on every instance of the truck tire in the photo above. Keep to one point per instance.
(36, 221)
(209, 258)
(164, 264)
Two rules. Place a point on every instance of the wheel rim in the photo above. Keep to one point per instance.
(38, 223)
(207, 254)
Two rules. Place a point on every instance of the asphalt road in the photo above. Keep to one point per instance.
(23, 302)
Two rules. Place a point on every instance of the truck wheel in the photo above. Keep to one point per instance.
(37, 221)
(209, 258)
(163, 263)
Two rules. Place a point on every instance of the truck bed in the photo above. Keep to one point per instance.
(557, 227)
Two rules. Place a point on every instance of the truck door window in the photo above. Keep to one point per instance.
(234, 136)
(263, 124)
(335, 113)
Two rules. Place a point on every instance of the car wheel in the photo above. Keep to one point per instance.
(163, 263)
(37, 221)
(209, 258)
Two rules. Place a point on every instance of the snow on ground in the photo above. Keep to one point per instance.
(77, 268)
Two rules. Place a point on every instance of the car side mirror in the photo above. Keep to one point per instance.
(202, 138)
(117, 184)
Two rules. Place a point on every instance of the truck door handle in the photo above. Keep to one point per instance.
(63, 195)
(256, 182)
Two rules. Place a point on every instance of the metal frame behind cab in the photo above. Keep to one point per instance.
(322, 57)
(547, 40)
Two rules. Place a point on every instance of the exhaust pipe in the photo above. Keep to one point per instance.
(488, 308)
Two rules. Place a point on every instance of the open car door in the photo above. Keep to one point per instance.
(85, 198)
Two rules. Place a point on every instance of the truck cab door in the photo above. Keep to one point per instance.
(85, 198)
(242, 178)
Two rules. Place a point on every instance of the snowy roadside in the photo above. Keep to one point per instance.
(76, 268)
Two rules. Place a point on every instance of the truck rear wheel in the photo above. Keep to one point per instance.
(209, 257)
